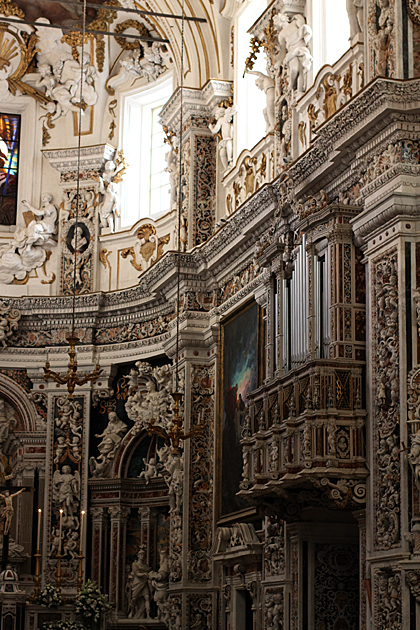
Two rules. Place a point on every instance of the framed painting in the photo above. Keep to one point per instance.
(9, 167)
(240, 373)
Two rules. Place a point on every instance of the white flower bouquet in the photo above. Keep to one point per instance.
(91, 604)
(50, 597)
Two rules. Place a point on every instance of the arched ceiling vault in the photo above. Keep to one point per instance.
(203, 59)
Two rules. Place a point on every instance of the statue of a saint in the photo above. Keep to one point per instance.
(111, 439)
(138, 590)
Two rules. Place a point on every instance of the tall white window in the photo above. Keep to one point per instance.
(331, 32)
(145, 189)
(249, 100)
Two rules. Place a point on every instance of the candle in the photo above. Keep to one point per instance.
(39, 529)
(81, 532)
(60, 532)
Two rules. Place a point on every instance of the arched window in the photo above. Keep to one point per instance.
(145, 189)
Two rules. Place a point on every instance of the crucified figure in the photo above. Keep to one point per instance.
(7, 511)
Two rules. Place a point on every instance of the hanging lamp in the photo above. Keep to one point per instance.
(71, 378)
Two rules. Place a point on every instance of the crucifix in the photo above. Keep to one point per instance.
(7, 493)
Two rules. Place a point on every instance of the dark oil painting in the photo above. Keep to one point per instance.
(239, 377)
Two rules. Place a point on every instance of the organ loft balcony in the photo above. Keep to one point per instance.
(303, 441)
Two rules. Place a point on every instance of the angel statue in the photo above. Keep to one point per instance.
(109, 207)
(224, 125)
(66, 487)
(293, 38)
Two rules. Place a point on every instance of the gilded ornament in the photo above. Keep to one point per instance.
(103, 257)
(413, 8)
(129, 251)
(255, 47)
(302, 132)
(44, 269)
(10, 9)
(123, 26)
(347, 81)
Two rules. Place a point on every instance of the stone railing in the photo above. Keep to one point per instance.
(306, 429)
(332, 88)
(252, 170)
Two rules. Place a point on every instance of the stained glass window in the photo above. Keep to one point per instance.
(9, 165)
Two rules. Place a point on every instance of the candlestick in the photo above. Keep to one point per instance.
(58, 574)
(60, 532)
(81, 556)
(82, 514)
(39, 530)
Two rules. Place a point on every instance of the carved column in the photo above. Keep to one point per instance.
(118, 527)
(148, 528)
(389, 239)
(99, 547)
(65, 481)
(278, 271)
(264, 297)
(199, 158)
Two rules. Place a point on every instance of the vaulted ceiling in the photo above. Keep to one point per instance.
(206, 44)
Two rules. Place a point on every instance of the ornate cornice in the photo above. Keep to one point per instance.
(362, 118)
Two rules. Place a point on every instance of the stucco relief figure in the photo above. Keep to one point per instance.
(138, 589)
(111, 439)
(355, 15)
(172, 168)
(380, 29)
(266, 84)
(224, 125)
(293, 38)
(414, 457)
(109, 208)
(136, 64)
(9, 318)
(152, 400)
(66, 488)
(159, 581)
(150, 471)
(7, 421)
(26, 251)
(61, 75)
(7, 510)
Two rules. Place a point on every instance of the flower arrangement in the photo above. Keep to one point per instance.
(91, 604)
(63, 625)
(50, 597)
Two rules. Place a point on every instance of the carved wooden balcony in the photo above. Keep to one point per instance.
(303, 441)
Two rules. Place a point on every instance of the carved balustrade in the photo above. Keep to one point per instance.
(305, 429)
(252, 170)
(333, 87)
